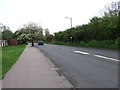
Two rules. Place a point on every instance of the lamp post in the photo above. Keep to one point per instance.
(71, 38)
(70, 20)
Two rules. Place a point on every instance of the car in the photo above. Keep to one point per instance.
(40, 42)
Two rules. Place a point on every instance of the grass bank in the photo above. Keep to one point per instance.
(108, 44)
(10, 54)
(0, 62)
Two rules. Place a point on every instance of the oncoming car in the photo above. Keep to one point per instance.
(40, 42)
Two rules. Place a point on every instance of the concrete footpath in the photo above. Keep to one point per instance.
(34, 70)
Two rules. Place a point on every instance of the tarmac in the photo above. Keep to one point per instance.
(34, 70)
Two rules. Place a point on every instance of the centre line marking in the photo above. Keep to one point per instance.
(106, 58)
(81, 52)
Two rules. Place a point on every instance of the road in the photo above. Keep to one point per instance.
(85, 67)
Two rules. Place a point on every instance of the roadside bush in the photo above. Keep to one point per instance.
(117, 42)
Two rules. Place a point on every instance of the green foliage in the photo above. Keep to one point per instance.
(117, 42)
(7, 34)
(29, 32)
(99, 32)
(9, 56)
(0, 63)
(110, 44)
(100, 44)
(49, 38)
(40, 35)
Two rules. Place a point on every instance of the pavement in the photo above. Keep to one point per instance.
(34, 70)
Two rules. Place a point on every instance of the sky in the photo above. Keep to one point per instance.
(49, 13)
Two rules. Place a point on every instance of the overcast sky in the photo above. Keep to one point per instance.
(49, 13)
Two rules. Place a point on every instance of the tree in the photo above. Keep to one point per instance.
(48, 36)
(22, 35)
(3, 28)
(110, 10)
(46, 32)
(7, 34)
(29, 32)
(40, 34)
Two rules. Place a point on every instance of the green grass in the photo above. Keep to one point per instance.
(10, 55)
(0, 62)
(108, 44)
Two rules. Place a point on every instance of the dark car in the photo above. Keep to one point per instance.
(40, 42)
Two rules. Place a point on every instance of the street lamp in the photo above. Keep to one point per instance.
(71, 38)
(70, 19)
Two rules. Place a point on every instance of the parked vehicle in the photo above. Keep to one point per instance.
(40, 42)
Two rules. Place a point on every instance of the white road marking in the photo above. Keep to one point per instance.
(106, 58)
(81, 52)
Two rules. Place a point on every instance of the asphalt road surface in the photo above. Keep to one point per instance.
(85, 67)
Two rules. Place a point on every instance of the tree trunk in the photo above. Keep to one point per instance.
(32, 42)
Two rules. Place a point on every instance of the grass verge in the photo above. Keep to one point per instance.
(107, 44)
(0, 63)
(10, 54)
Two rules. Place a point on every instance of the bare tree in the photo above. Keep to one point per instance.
(110, 9)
